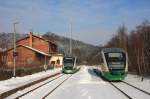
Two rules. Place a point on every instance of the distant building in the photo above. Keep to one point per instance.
(34, 51)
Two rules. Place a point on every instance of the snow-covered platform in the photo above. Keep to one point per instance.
(17, 82)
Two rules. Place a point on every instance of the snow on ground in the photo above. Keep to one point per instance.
(13, 83)
(85, 84)
(136, 81)
(26, 90)
(42, 91)
(132, 92)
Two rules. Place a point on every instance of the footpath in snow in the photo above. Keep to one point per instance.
(7, 85)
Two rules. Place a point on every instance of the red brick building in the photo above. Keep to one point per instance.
(32, 51)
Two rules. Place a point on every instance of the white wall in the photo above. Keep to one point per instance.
(55, 58)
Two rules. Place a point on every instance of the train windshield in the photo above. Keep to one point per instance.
(115, 55)
(69, 61)
(116, 60)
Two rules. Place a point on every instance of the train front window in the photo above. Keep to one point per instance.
(68, 62)
(115, 55)
(115, 60)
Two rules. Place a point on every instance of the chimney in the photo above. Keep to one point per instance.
(30, 39)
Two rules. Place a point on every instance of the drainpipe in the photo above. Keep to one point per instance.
(45, 65)
(30, 39)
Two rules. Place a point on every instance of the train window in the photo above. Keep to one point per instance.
(114, 54)
(115, 57)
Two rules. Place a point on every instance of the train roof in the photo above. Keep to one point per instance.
(106, 50)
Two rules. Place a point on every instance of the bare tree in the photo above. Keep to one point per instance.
(137, 44)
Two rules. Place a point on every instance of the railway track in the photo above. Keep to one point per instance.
(129, 95)
(148, 93)
(21, 94)
(56, 87)
(22, 87)
(32, 89)
(121, 90)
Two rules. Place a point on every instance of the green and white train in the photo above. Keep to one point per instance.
(69, 65)
(114, 64)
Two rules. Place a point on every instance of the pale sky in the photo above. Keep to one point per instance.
(93, 21)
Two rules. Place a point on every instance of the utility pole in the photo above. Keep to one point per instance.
(14, 53)
(71, 38)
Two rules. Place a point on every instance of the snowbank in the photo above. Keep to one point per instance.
(13, 83)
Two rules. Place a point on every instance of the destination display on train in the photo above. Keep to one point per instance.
(114, 54)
